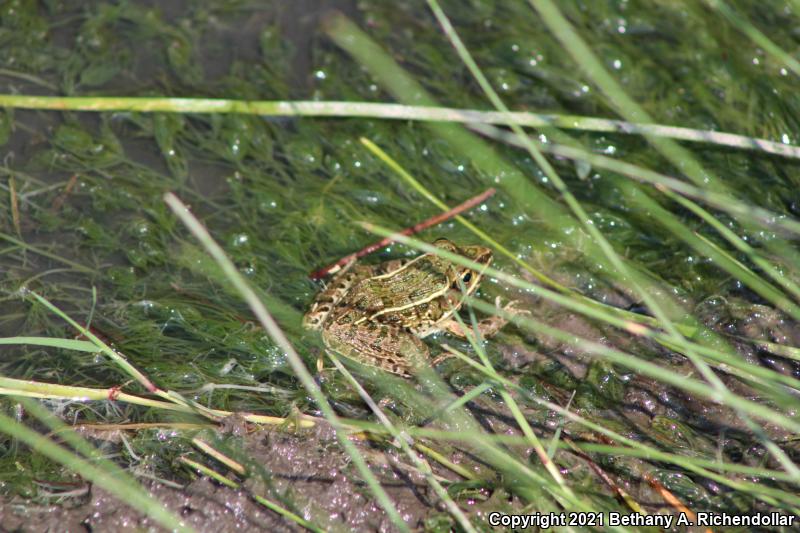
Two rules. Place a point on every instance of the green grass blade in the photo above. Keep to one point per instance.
(755, 35)
(390, 111)
(559, 25)
(243, 288)
(116, 481)
(52, 342)
(402, 439)
(112, 354)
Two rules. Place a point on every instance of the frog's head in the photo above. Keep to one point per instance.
(469, 277)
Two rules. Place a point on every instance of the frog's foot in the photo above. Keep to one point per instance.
(489, 326)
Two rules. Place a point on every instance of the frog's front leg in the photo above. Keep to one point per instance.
(380, 345)
(487, 327)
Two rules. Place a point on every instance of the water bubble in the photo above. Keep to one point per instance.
(240, 239)
(141, 228)
(267, 205)
(146, 304)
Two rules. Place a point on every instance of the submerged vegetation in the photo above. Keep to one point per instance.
(658, 371)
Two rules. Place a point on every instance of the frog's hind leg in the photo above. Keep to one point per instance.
(333, 293)
(378, 345)
(487, 327)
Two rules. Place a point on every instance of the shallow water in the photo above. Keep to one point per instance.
(284, 196)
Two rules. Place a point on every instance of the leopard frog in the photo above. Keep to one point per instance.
(377, 314)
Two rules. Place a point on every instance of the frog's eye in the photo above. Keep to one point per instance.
(466, 277)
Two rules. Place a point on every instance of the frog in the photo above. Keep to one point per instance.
(379, 314)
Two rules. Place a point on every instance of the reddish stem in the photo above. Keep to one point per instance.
(61, 198)
(438, 219)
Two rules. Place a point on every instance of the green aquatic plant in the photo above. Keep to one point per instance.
(646, 214)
